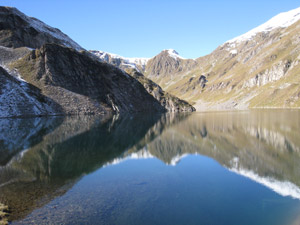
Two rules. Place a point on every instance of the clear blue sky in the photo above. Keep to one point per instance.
(142, 28)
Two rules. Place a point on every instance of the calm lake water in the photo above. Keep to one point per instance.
(202, 168)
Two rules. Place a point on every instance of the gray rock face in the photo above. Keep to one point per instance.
(81, 85)
(19, 30)
(137, 66)
(168, 101)
(165, 64)
(276, 72)
(18, 98)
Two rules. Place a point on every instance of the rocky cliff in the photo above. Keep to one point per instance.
(168, 101)
(19, 30)
(160, 66)
(82, 85)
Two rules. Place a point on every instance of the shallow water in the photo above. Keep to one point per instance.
(200, 168)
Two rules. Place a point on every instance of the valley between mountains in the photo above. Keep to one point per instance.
(44, 72)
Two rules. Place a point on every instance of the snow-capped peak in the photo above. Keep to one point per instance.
(173, 53)
(280, 21)
(128, 62)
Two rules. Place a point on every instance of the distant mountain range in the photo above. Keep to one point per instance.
(258, 69)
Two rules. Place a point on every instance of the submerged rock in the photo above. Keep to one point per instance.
(3, 214)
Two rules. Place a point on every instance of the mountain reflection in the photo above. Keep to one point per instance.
(43, 158)
(63, 150)
(260, 145)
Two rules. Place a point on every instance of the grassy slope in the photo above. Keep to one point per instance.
(227, 73)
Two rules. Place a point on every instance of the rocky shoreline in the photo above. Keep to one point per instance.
(4, 212)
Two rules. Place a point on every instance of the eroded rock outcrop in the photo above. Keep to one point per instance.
(168, 101)
(19, 30)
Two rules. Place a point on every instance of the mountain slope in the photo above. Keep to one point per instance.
(137, 66)
(80, 84)
(18, 30)
(122, 62)
(259, 69)
(58, 77)
(168, 101)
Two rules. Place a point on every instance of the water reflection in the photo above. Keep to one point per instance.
(43, 158)
(48, 155)
(261, 145)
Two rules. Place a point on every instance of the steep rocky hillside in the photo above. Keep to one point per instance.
(19, 30)
(166, 65)
(168, 101)
(79, 84)
(160, 66)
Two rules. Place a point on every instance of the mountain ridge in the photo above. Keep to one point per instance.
(43, 72)
(257, 69)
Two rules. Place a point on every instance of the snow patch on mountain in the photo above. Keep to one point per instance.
(128, 62)
(141, 154)
(283, 188)
(233, 52)
(15, 99)
(282, 20)
(173, 54)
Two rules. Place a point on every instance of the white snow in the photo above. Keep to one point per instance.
(173, 54)
(233, 52)
(15, 74)
(141, 154)
(283, 188)
(145, 154)
(42, 27)
(175, 160)
(130, 62)
(14, 93)
(282, 20)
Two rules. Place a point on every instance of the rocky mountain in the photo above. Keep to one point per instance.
(124, 63)
(163, 65)
(258, 69)
(19, 30)
(44, 72)
(166, 64)
(168, 101)
(137, 67)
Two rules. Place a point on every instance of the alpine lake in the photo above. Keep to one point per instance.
(214, 168)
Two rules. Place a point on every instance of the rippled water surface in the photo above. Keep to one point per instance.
(200, 168)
